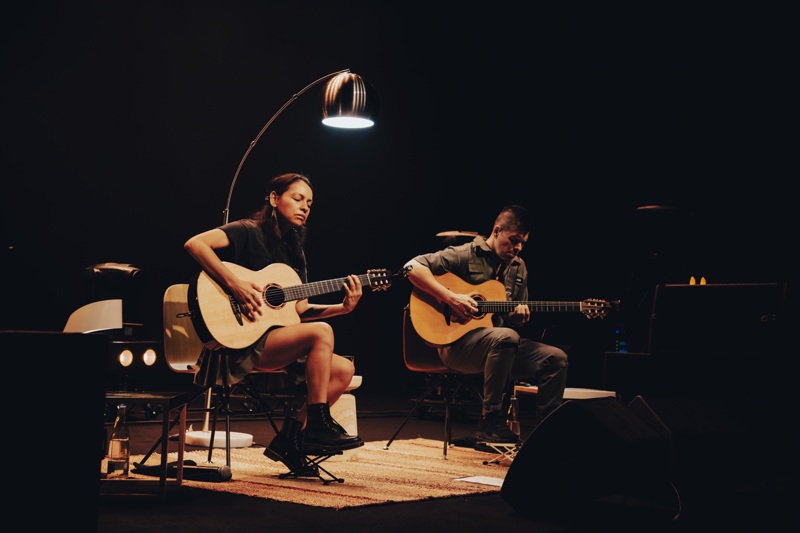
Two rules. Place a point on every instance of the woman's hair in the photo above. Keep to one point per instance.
(267, 217)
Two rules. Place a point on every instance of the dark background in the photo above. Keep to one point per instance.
(123, 124)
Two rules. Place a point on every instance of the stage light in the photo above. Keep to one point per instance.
(126, 358)
(149, 357)
(136, 365)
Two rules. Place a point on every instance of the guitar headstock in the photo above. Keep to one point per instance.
(594, 308)
(380, 279)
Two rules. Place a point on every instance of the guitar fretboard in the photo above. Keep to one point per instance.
(535, 306)
(316, 288)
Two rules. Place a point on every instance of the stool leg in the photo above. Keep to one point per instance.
(417, 403)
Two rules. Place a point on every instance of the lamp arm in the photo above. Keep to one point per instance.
(254, 141)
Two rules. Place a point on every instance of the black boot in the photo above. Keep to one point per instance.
(341, 430)
(323, 433)
(285, 447)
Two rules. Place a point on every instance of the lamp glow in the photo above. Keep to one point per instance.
(349, 123)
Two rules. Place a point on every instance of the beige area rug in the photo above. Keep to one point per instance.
(410, 470)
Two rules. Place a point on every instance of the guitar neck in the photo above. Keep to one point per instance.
(317, 288)
(534, 306)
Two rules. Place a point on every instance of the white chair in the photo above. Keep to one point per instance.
(182, 347)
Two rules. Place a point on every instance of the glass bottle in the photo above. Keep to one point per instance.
(119, 452)
(513, 415)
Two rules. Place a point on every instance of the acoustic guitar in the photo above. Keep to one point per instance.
(216, 314)
(433, 323)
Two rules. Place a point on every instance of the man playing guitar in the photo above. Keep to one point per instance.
(497, 351)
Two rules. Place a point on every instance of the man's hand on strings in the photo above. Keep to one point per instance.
(463, 308)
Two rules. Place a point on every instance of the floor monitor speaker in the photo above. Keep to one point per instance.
(587, 450)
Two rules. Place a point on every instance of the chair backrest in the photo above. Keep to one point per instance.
(182, 344)
(417, 354)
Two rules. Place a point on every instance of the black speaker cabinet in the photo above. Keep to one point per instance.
(587, 450)
(730, 319)
(57, 428)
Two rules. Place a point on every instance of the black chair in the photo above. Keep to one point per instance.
(444, 386)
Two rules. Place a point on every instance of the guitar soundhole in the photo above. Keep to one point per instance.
(480, 313)
(274, 296)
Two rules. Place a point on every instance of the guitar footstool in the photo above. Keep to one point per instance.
(315, 460)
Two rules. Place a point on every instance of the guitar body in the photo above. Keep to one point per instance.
(219, 318)
(433, 323)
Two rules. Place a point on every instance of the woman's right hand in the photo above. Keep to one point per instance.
(249, 296)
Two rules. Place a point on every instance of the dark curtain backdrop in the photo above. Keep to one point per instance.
(123, 124)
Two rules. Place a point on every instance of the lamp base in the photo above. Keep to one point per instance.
(203, 439)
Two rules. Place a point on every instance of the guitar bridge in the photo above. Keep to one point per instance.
(237, 310)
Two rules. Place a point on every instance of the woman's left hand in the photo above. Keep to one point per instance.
(352, 293)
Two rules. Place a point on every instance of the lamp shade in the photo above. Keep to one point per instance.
(350, 102)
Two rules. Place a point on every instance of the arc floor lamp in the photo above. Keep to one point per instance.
(349, 102)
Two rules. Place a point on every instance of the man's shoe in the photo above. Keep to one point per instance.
(493, 428)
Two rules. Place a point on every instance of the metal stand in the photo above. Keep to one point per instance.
(224, 404)
(315, 460)
(506, 451)
(448, 386)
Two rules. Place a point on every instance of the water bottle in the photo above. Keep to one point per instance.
(118, 458)
(513, 415)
